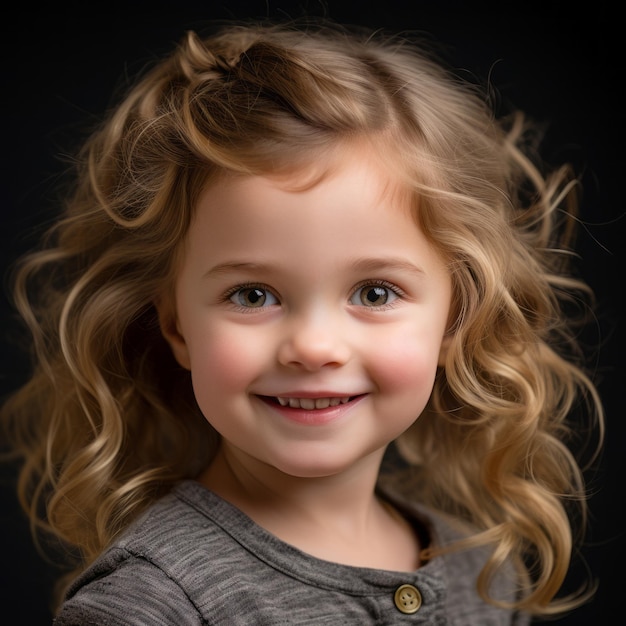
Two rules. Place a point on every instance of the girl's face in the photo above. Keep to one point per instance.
(312, 321)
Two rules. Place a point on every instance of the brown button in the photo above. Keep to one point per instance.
(408, 599)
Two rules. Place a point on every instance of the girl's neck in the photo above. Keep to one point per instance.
(337, 518)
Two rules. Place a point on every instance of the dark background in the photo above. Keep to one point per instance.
(563, 65)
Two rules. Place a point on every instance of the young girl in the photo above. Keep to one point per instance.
(304, 347)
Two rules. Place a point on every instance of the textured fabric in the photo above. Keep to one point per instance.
(193, 558)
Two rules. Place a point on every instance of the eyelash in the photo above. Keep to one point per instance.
(246, 309)
(380, 283)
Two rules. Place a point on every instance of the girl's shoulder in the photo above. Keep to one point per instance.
(135, 578)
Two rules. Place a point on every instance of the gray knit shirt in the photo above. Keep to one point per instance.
(193, 558)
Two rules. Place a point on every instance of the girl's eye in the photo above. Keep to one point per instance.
(373, 296)
(253, 297)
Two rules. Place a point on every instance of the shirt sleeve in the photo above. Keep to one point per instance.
(134, 593)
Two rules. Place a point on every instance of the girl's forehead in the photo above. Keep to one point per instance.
(326, 217)
(349, 197)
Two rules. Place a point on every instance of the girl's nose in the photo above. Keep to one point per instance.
(311, 342)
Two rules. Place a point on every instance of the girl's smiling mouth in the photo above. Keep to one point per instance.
(312, 403)
(310, 410)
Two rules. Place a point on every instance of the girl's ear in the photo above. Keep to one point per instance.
(168, 323)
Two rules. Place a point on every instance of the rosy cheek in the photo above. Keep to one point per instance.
(407, 364)
(223, 361)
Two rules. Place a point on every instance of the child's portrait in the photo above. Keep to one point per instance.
(310, 316)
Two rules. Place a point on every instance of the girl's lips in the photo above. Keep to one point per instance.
(312, 411)
(312, 403)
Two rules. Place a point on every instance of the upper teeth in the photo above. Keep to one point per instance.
(312, 403)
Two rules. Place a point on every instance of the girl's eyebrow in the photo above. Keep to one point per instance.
(236, 266)
(373, 264)
(365, 264)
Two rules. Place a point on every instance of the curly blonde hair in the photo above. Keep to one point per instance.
(107, 423)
